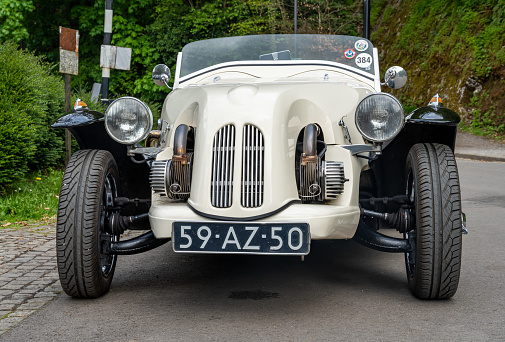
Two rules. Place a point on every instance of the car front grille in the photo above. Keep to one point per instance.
(253, 149)
(222, 167)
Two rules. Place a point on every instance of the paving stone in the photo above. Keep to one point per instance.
(22, 312)
(45, 294)
(12, 287)
(29, 292)
(32, 287)
(26, 267)
(12, 275)
(22, 295)
(15, 301)
(31, 305)
(39, 300)
(11, 319)
(6, 306)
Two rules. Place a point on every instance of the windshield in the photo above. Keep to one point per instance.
(351, 51)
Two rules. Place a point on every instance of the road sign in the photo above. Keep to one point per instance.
(115, 57)
(69, 51)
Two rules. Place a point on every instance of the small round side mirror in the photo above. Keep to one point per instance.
(161, 75)
(395, 77)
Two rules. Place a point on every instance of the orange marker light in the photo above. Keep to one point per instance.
(80, 105)
(436, 101)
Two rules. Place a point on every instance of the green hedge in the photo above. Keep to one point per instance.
(31, 98)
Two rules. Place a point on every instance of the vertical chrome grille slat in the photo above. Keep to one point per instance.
(222, 167)
(221, 157)
(252, 167)
(248, 154)
(256, 153)
(243, 166)
(232, 159)
(261, 168)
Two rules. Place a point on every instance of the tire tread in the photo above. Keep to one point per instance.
(438, 259)
(78, 216)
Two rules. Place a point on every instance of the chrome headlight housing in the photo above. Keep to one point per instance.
(379, 117)
(128, 120)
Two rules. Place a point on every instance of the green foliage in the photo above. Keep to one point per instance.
(442, 44)
(484, 123)
(442, 31)
(12, 17)
(85, 96)
(35, 197)
(31, 98)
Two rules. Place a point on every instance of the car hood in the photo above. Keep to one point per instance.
(279, 111)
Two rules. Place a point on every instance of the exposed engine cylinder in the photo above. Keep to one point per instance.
(321, 180)
(172, 178)
(310, 187)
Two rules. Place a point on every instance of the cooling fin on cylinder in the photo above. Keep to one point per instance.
(333, 178)
(321, 180)
(158, 177)
(172, 178)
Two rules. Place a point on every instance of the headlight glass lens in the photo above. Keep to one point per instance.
(128, 120)
(379, 117)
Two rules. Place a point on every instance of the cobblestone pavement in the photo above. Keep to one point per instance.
(28, 273)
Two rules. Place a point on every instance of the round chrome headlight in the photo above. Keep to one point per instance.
(379, 117)
(128, 120)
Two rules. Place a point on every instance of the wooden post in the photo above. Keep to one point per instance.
(68, 108)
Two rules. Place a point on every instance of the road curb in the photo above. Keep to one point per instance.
(479, 157)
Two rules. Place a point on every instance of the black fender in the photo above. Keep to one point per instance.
(433, 116)
(423, 125)
(88, 129)
(78, 118)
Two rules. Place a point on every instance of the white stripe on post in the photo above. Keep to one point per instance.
(107, 26)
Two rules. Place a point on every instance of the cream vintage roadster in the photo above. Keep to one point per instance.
(264, 144)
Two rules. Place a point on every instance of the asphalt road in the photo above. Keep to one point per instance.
(341, 292)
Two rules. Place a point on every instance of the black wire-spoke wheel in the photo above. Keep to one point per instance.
(432, 186)
(90, 185)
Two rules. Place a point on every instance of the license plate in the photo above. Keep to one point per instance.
(243, 238)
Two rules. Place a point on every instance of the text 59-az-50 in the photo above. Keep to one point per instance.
(244, 238)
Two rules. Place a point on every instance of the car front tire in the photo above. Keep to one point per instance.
(89, 186)
(432, 184)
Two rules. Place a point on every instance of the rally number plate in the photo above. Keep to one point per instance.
(244, 238)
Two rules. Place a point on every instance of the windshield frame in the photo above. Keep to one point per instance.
(371, 73)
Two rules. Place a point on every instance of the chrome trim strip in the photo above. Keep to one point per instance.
(177, 70)
(364, 74)
(376, 71)
(356, 149)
